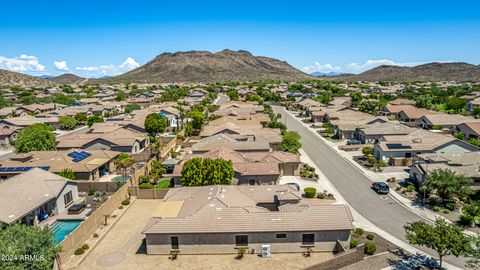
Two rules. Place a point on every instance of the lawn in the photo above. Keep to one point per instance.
(164, 183)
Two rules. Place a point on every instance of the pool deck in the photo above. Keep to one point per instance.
(65, 216)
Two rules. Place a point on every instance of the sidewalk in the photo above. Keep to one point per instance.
(359, 220)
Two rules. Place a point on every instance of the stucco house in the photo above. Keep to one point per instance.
(400, 149)
(222, 219)
(35, 195)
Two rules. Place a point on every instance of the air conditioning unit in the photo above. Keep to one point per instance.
(266, 251)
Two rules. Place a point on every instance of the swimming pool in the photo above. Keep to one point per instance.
(62, 228)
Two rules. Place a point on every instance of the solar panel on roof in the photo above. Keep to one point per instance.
(2, 169)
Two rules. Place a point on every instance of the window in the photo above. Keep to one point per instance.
(241, 240)
(252, 182)
(308, 239)
(281, 235)
(68, 197)
(174, 242)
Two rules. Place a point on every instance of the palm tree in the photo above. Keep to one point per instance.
(156, 147)
(124, 162)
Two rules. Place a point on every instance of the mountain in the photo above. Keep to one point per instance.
(328, 74)
(67, 78)
(10, 78)
(457, 71)
(204, 66)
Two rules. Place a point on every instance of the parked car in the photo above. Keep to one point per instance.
(353, 141)
(294, 185)
(381, 187)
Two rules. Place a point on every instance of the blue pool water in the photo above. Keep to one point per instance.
(62, 228)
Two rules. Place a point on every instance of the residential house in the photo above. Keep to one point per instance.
(473, 104)
(121, 140)
(34, 195)
(33, 109)
(250, 217)
(442, 121)
(345, 121)
(87, 165)
(251, 168)
(28, 120)
(8, 134)
(400, 149)
(409, 115)
(466, 164)
(469, 129)
(240, 143)
(7, 112)
(371, 133)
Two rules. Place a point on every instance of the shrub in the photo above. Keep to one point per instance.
(398, 188)
(95, 235)
(466, 220)
(321, 196)
(411, 187)
(79, 251)
(370, 236)
(450, 206)
(241, 252)
(446, 211)
(354, 243)
(145, 186)
(369, 248)
(91, 191)
(120, 207)
(310, 192)
(126, 202)
(85, 246)
(436, 209)
(367, 151)
(359, 231)
(144, 179)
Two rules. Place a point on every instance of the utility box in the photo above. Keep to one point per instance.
(266, 251)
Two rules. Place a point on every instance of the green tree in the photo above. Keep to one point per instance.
(356, 97)
(81, 118)
(5, 102)
(472, 210)
(448, 184)
(37, 137)
(132, 107)
(197, 119)
(276, 124)
(26, 240)
(232, 94)
(291, 142)
(445, 239)
(67, 122)
(67, 173)
(367, 150)
(476, 111)
(474, 253)
(94, 119)
(474, 141)
(120, 96)
(206, 171)
(155, 123)
(459, 135)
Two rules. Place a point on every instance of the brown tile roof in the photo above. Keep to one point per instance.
(21, 194)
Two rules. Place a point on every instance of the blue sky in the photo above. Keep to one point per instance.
(98, 38)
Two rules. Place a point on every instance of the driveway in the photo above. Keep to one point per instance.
(383, 211)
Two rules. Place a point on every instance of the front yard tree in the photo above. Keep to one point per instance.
(19, 240)
(197, 119)
(155, 123)
(448, 184)
(206, 171)
(291, 142)
(37, 137)
(81, 117)
(474, 253)
(94, 119)
(67, 122)
(445, 239)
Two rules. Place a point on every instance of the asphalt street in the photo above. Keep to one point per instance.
(383, 211)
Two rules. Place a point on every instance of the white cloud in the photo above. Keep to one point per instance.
(61, 65)
(355, 67)
(24, 63)
(325, 68)
(108, 70)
